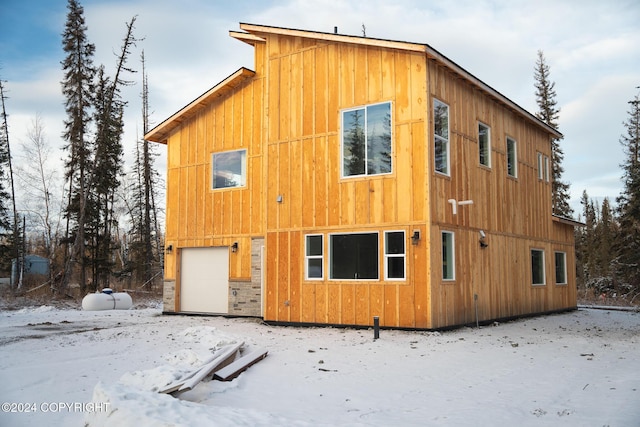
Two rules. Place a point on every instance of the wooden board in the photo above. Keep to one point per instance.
(234, 369)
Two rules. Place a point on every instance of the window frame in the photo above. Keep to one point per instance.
(564, 267)
(452, 252)
(446, 142)
(487, 148)
(546, 169)
(540, 167)
(364, 108)
(403, 255)
(512, 151)
(308, 257)
(377, 258)
(542, 265)
(243, 169)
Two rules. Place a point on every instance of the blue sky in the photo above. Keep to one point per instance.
(591, 46)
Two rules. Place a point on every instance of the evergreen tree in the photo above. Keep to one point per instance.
(628, 241)
(7, 247)
(549, 113)
(78, 90)
(354, 145)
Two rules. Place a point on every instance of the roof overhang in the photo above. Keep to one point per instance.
(567, 221)
(252, 33)
(161, 132)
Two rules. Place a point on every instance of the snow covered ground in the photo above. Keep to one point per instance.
(66, 367)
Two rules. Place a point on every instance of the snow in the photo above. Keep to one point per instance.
(70, 367)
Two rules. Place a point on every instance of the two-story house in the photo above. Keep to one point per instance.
(349, 177)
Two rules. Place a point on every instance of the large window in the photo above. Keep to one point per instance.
(229, 169)
(441, 136)
(484, 144)
(448, 256)
(313, 256)
(366, 140)
(561, 268)
(353, 256)
(512, 158)
(394, 255)
(537, 267)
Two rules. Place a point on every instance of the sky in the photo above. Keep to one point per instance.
(592, 48)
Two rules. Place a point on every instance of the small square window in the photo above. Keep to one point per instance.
(229, 169)
(394, 254)
(314, 249)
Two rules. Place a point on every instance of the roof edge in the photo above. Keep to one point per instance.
(161, 132)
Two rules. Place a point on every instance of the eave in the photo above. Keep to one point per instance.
(162, 132)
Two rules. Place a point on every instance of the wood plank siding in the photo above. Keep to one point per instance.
(287, 115)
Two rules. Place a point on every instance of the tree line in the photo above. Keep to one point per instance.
(100, 224)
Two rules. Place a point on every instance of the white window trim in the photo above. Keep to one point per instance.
(540, 167)
(448, 140)
(342, 126)
(546, 168)
(515, 157)
(488, 145)
(403, 256)
(308, 257)
(564, 260)
(544, 267)
(330, 258)
(453, 256)
(243, 170)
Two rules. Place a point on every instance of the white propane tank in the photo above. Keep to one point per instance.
(107, 300)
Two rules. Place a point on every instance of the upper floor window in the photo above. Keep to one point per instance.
(229, 169)
(543, 167)
(484, 144)
(394, 255)
(441, 136)
(512, 158)
(366, 140)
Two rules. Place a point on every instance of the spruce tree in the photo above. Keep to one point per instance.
(78, 90)
(549, 113)
(628, 241)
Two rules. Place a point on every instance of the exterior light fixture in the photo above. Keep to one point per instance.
(169, 249)
(415, 238)
(234, 247)
(483, 244)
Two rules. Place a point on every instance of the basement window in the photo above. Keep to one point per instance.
(366, 140)
(561, 268)
(441, 136)
(229, 169)
(353, 256)
(314, 257)
(537, 267)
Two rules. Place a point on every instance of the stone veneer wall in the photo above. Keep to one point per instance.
(245, 296)
(169, 296)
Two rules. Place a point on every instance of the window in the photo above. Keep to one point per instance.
(313, 257)
(537, 267)
(448, 256)
(561, 268)
(354, 256)
(366, 140)
(394, 255)
(229, 169)
(543, 167)
(441, 136)
(484, 144)
(512, 158)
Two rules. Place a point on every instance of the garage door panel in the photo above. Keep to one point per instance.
(204, 280)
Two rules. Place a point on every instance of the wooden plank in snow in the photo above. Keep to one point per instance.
(236, 368)
(222, 358)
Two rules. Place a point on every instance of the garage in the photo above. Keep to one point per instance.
(204, 280)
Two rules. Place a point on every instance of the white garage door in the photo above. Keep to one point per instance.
(204, 280)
